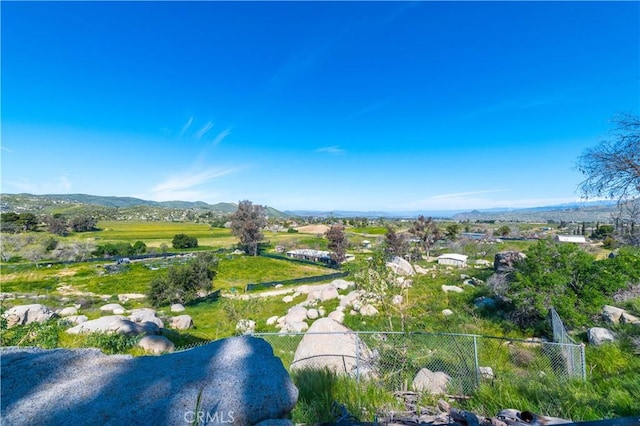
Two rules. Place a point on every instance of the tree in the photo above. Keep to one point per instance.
(184, 283)
(57, 224)
(567, 278)
(426, 231)
(246, 224)
(83, 223)
(503, 231)
(139, 247)
(337, 243)
(452, 230)
(395, 244)
(612, 168)
(182, 241)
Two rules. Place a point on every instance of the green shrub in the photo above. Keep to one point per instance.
(182, 241)
(111, 343)
(41, 334)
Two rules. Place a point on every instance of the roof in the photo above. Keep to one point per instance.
(571, 238)
(309, 253)
(454, 256)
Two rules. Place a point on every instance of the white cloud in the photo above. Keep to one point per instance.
(220, 137)
(331, 150)
(200, 133)
(185, 128)
(185, 186)
(5, 149)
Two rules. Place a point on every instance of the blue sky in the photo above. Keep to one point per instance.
(314, 105)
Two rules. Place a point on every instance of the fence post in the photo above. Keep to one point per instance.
(357, 358)
(475, 355)
(583, 360)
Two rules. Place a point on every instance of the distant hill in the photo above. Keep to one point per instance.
(106, 206)
(572, 212)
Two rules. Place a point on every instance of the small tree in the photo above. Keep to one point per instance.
(184, 283)
(503, 231)
(426, 231)
(395, 244)
(452, 230)
(246, 224)
(337, 243)
(183, 241)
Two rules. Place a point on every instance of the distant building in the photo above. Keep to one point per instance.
(474, 235)
(453, 259)
(310, 254)
(575, 239)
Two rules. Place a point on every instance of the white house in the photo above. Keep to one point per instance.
(310, 254)
(576, 239)
(453, 259)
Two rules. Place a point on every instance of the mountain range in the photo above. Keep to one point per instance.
(128, 206)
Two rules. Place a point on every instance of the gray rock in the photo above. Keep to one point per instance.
(142, 315)
(337, 316)
(486, 372)
(432, 382)
(77, 319)
(294, 327)
(110, 307)
(245, 326)
(447, 312)
(238, 379)
(113, 324)
(156, 344)
(611, 314)
(397, 299)
(451, 288)
(401, 267)
(26, 314)
(598, 336)
(504, 261)
(341, 284)
(177, 307)
(627, 318)
(296, 314)
(328, 293)
(130, 296)
(287, 299)
(368, 310)
(312, 314)
(272, 320)
(181, 322)
(351, 298)
(334, 348)
(68, 311)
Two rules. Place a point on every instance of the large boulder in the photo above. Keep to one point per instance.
(505, 261)
(181, 322)
(26, 314)
(598, 336)
(401, 267)
(142, 315)
(236, 380)
(245, 326)
(156, 344)
(611, 314)
(431, 382)
(329, 344)
(114, 324)
(68, 311)
(114, 308)
(177, 307)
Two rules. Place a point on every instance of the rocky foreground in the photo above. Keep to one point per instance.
(230, 381)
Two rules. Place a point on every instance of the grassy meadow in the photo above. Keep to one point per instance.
(611, 390)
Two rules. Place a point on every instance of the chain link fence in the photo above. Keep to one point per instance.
(433, 362)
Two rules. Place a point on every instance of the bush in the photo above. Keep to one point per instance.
(111, 343)
(182, 283)
(41, 334)
(182, 241)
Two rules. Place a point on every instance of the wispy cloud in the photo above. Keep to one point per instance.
(516, 105)
(372, 107)
(200, 133)
(61, 184)
(5, 149)
(186, 127)
(220, 136)
(188, 180)
(334, 150)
